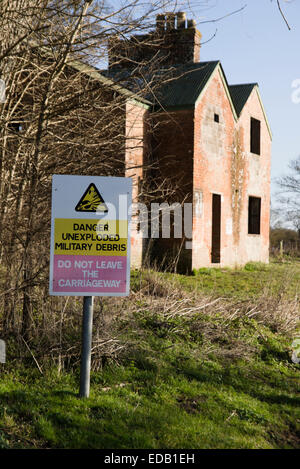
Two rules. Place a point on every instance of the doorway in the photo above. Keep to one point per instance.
(216, 229)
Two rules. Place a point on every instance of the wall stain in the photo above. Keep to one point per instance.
(238, 176)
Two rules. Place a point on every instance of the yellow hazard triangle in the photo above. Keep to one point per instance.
(91, 201)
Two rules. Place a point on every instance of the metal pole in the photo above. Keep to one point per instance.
(87, 324)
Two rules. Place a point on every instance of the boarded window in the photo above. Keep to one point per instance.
(254, 210)
(255, 136)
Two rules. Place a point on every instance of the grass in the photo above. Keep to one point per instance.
(188, 377)
(247, 282)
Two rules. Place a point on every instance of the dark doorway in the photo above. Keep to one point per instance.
(216, 230)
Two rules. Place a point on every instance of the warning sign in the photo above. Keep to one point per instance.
(72, 236)
(91, 201)
(90, 244)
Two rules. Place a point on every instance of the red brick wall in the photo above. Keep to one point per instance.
(172, 146)
(257, 183)
(224, 165)
(212, 171)
(194, 157)
(135, 155)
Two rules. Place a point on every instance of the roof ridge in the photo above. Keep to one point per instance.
(244, 84)
(97, 74)
(207, 61)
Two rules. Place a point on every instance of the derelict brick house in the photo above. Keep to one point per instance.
(213, 140)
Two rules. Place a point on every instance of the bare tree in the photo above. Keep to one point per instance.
(289, 195)
(60, 116)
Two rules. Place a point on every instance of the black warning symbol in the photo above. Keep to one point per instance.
(91, 201)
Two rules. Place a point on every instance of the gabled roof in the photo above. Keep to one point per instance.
(190, 81)
(240, 94)
(182, 87)
(185, 85)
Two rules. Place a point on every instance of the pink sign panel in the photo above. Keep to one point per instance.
(89, 274)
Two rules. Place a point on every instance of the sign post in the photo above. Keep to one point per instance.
(90, 246)
(87, 326)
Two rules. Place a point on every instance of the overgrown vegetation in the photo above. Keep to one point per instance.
(61, 115)
(175, 365)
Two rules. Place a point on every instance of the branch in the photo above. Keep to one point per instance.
(225, 16)
(282, 14)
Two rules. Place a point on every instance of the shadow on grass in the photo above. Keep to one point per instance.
(65, 421)
(281, 399)
(63, 393)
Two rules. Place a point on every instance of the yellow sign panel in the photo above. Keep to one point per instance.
(90, 237)
(91, 201)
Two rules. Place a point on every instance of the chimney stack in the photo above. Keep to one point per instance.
(177, 41)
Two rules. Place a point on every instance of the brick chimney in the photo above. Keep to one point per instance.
(175, 40)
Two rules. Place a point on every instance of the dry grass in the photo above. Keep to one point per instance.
(220, 322)
(278, 311)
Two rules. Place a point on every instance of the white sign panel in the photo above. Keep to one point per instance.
(90, 239)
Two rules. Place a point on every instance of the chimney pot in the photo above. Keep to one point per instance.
(181, 19)
(191, 24)
(170, 17)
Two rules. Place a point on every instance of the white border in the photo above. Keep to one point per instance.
(69, 182)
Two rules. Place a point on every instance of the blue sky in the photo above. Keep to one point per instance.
(255, 45)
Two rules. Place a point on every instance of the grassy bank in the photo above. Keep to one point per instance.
(186, 363)
(251, 281)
